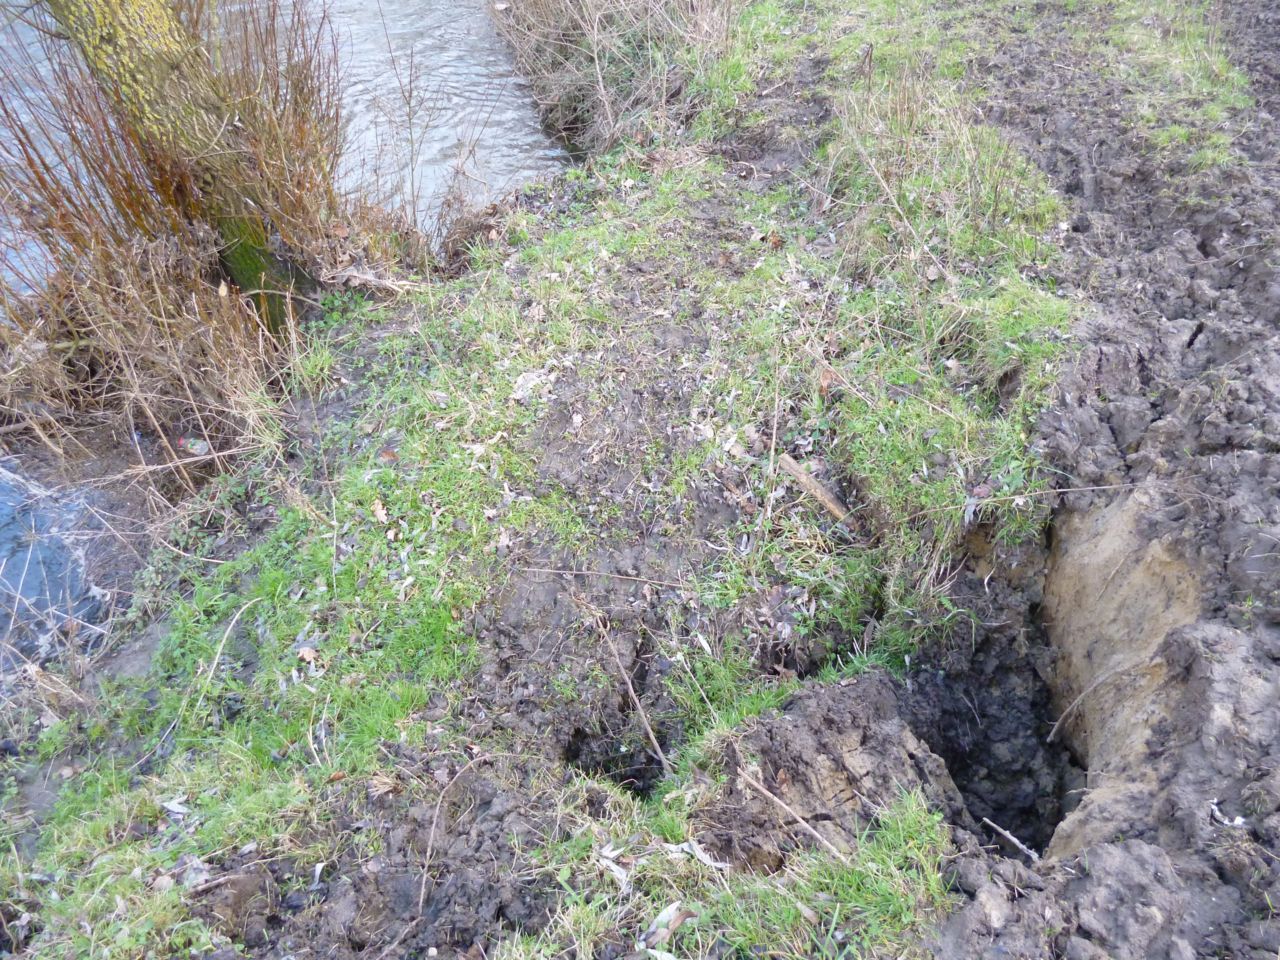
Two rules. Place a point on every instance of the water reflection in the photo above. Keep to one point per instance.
(433, 100)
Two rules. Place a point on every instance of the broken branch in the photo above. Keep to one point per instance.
(1035, 857)
(833, 504)
(803, 823)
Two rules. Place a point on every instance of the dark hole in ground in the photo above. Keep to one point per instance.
(983, 707)
(617, 744)
(988, 714)
(626, 761)
(986, 710)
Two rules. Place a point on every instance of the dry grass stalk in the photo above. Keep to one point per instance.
(115, 308)
(599, 68)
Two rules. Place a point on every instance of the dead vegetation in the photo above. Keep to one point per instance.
(603, 71)
(117, 309)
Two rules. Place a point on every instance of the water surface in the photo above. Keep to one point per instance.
(433, 100)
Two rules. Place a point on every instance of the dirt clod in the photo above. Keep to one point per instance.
(831, 762)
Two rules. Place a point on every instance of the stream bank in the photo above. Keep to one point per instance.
(547, 653)
(436, 117)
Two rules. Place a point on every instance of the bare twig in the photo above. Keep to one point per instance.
(1071, 707)
(411, 926)
(431, 837)
(833, 504)
(1034, 857)
(601, 573)
(804, 824)
(204, 687)
(213, 884)
(635, 700)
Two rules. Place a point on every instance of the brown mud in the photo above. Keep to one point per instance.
(1116, 710)
(1157, 624)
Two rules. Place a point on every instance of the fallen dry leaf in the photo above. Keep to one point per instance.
(665, 924)
(825, 379)
(381, 785)
(694, 849)
(380, 511)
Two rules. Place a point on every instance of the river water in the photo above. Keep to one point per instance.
(433, 100)
(433, 103)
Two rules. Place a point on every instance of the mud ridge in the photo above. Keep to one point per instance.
(1157, 625)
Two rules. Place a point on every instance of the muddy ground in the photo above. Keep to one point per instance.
(1156, 625)
(1103, 745)
(1117, 708)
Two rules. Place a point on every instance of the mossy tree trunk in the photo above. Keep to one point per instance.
(162, 86)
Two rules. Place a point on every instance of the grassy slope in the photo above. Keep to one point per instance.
(889, 315)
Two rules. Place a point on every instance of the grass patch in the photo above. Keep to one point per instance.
(873, 904)
(284, 672)
(1183, 85)
(912, 358)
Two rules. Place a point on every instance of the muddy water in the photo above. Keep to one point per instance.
(433, 104)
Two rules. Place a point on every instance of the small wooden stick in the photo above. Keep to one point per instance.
(597, 617)
(400, 938)
(1035, 857)
(833, 504)
(804, 824)
(667, 769)
(431, 837)
(216, 882)
(1097, 682)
